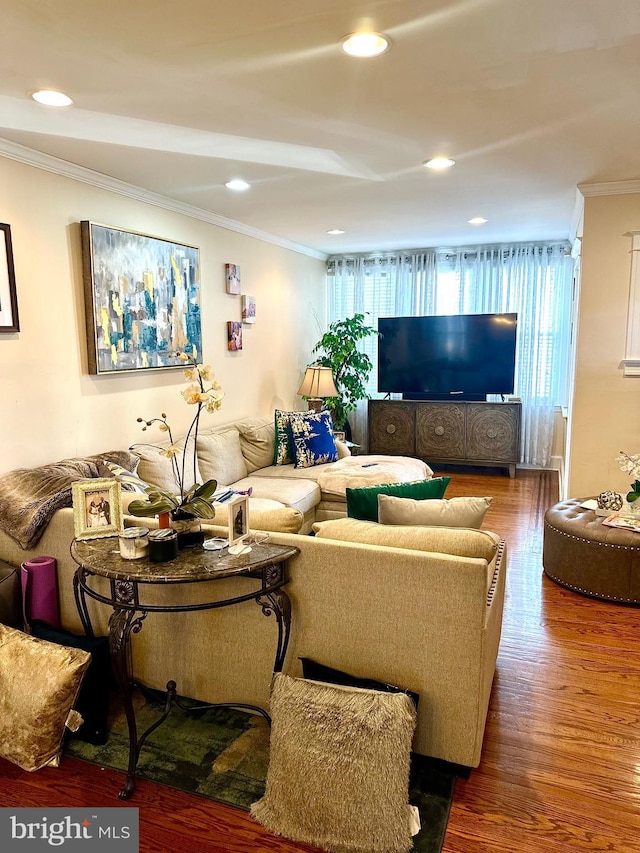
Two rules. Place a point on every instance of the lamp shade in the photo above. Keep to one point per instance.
(318, 382)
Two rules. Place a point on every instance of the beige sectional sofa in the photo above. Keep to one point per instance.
(241, 454)
(419, 608)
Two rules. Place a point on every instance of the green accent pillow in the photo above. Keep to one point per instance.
(283, 448)
(363, 503)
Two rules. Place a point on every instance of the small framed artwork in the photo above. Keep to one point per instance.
(248, 309)
(238, 524)
(96, 508)
(232, 275)
(234, 336)
(8, 297)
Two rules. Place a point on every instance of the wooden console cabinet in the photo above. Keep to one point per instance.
(458, 431)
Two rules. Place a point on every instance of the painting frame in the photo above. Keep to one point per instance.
(248, 309)
(238, 520)
(232, 279)
(142, 298)
(9, 321)
(90, 519)
(234, 336)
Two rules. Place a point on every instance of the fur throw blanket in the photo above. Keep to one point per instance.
(30, 496)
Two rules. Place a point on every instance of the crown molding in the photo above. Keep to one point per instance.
(610, 188)
(48, 163)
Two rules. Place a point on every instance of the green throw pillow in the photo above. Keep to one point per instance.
(283, 449)
(363, 503)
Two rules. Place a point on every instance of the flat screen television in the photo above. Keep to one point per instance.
(459, 356)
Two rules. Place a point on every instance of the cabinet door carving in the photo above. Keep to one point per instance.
(440, 430)
(492, 432)
(392, 427)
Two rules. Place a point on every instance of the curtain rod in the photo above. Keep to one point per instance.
(450, 250)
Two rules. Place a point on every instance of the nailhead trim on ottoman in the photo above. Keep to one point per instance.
(584, 555)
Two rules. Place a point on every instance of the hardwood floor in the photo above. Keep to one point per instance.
(561, 760)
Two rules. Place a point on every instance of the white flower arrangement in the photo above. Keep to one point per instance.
(204, 393)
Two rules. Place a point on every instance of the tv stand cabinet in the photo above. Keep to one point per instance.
(455, 431)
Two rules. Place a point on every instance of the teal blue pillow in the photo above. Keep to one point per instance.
(283, 450)
(363, 503)
(313, 440)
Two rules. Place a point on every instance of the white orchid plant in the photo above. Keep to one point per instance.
(204, 392)
(631, 464)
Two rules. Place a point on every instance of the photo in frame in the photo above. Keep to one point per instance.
(97, 511)
(238, 509)
(248, 309)
(142, 299)
(8, 296)
(234, 336)
(232, 278)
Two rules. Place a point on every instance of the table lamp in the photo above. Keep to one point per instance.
(317, 384)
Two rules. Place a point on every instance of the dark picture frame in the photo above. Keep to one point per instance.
(142, 299)
(9, 321)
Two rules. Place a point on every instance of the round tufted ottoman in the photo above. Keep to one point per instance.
(586, 556)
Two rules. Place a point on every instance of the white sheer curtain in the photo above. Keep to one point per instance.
(533, 280)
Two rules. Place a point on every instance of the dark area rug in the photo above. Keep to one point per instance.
(223, 754)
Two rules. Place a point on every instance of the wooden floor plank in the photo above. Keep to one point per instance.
(560, 770)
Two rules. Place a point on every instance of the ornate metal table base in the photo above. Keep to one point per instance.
(266, 563)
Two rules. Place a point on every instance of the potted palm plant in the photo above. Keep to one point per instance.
(338, 349)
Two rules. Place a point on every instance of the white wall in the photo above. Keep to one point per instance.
(605, 417)
(51, 408)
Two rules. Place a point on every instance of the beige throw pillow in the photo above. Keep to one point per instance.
(158, 470)
(257, 440)
(39, 684)
(338, 775)
(220, 457)
(455, 512)
(457, 541)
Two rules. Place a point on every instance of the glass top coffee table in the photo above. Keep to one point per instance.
(128, 581)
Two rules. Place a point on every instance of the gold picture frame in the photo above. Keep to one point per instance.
(97, 511)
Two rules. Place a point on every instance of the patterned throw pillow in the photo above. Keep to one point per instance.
(129, 481)
(312, 438)
(283, 451)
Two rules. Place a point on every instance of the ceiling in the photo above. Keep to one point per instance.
(530, 97)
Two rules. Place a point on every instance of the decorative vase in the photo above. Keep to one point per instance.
(188, 527)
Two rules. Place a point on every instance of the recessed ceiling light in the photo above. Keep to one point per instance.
(237, 184)
(439, 163)
(365, 44)
(51, 98)
(335, 231)
(477, 220)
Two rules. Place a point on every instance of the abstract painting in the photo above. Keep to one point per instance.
(232, 277)
(234, 336)
(8, 299)
(142, 299)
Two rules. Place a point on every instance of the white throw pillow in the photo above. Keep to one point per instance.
(455, 512)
